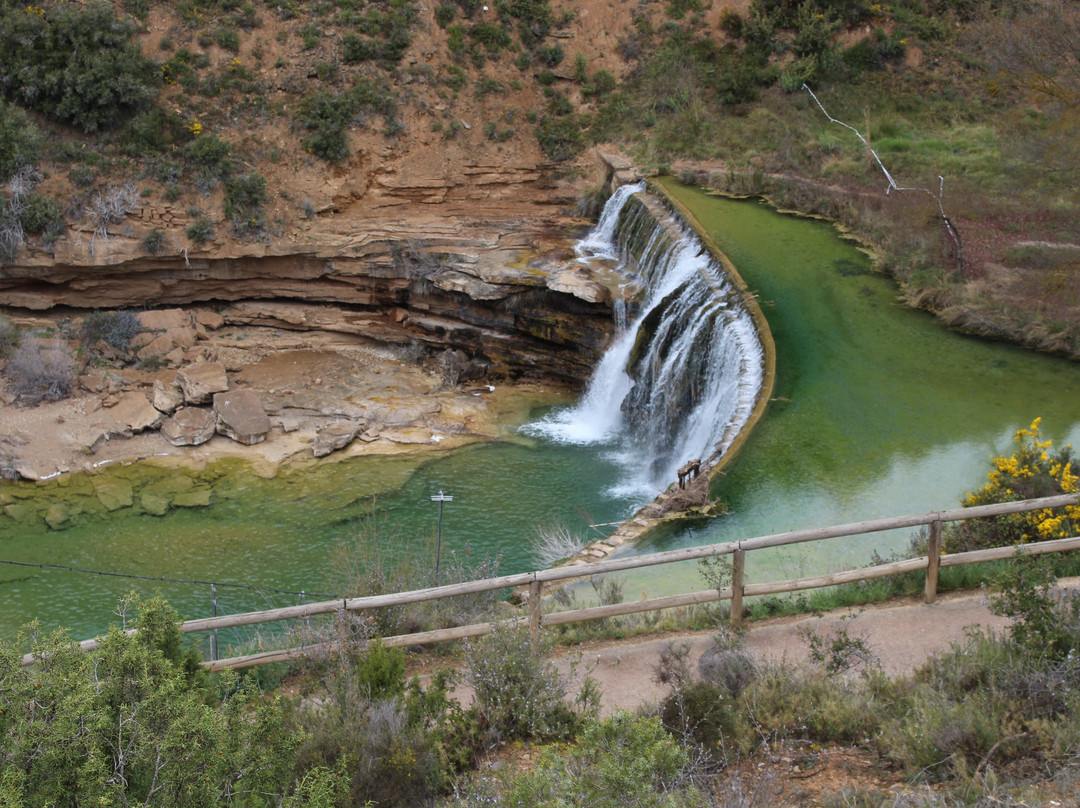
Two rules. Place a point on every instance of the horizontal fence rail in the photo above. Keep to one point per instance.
(739, 589)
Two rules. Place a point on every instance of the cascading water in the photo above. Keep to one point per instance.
(681, 377)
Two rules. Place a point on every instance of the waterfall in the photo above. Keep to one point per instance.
(682, 375)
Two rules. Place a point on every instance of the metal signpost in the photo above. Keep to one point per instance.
(440, 498)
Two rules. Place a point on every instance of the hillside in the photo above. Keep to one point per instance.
(144, 135)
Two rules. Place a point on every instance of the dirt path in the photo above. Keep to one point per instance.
(900, 633)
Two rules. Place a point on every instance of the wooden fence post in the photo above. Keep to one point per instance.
(933, 561)
(738, 570)
(213, 634)
(535, 588)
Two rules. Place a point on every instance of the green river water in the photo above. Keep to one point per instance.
(878, 411)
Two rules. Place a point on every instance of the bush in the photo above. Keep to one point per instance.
(621, 761)
(244, 197)
(9, 335)
(560, 137)
(1045, 623)
(41, 369)
(201, 230)
(1033, 470)
(519, 694)
(326, 114)
(210, 155)
(398, 742)
(115, 328)
(154, 242)
(63, 719)
(20, 140)
(76, 63)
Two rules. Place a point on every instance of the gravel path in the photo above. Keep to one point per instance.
(901, 634)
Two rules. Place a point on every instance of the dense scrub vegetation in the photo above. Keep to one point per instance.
(138, 721)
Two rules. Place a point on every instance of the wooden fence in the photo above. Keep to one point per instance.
(739, 589)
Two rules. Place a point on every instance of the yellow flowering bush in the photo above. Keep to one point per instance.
(1034, 470)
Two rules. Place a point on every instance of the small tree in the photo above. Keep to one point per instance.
(41, 369)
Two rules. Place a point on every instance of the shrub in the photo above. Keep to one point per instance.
(1033, 470)
(154, 242)
(41, 369)
(519, 694)
(42, 215)
(621, 761)
(1045, 623)
(9, 335)
(20, 140)
(731, 23)
(444, 14)
(550, 55)
(560, 137)
(244, 197)
(201, 230)
(227, 39)
(397, 741)
(326, 114)
(211, 157)
(115, 328)
(76, 63)
(62, 722)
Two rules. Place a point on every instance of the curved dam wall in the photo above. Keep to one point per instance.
(691, 367)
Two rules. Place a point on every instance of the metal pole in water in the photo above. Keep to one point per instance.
(440, 498)
(213, 634)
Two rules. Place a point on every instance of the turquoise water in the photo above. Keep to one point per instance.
(878, 411)
(286, 532)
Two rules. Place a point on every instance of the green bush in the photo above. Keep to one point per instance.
(227, 39)
(620, 762)
(132, 722)
(20, 140)
(76, 63)
(211, 157)
(444, 14)
(519, 694)
(244, 198)
(1045, 623)
(550, 55)
(115, 328)
(398, 742)
(201, 230)
(327, 113)
(560, 137)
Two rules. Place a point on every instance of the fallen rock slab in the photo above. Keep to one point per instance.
(134, 412)
(202, 380)
(335, 436)
(166, 398)
(189, 426)
(240, 416)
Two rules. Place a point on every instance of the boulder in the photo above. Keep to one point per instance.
(202, 380)
(134, 413)
(199, 498)
(58, 516)
(164, 319)
(154, 504)
(241, 416)
(189, 426)
(335, 436)
(113, 492)
(209, 319)
(166, 398)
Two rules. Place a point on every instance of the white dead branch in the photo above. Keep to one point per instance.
(947, 223)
